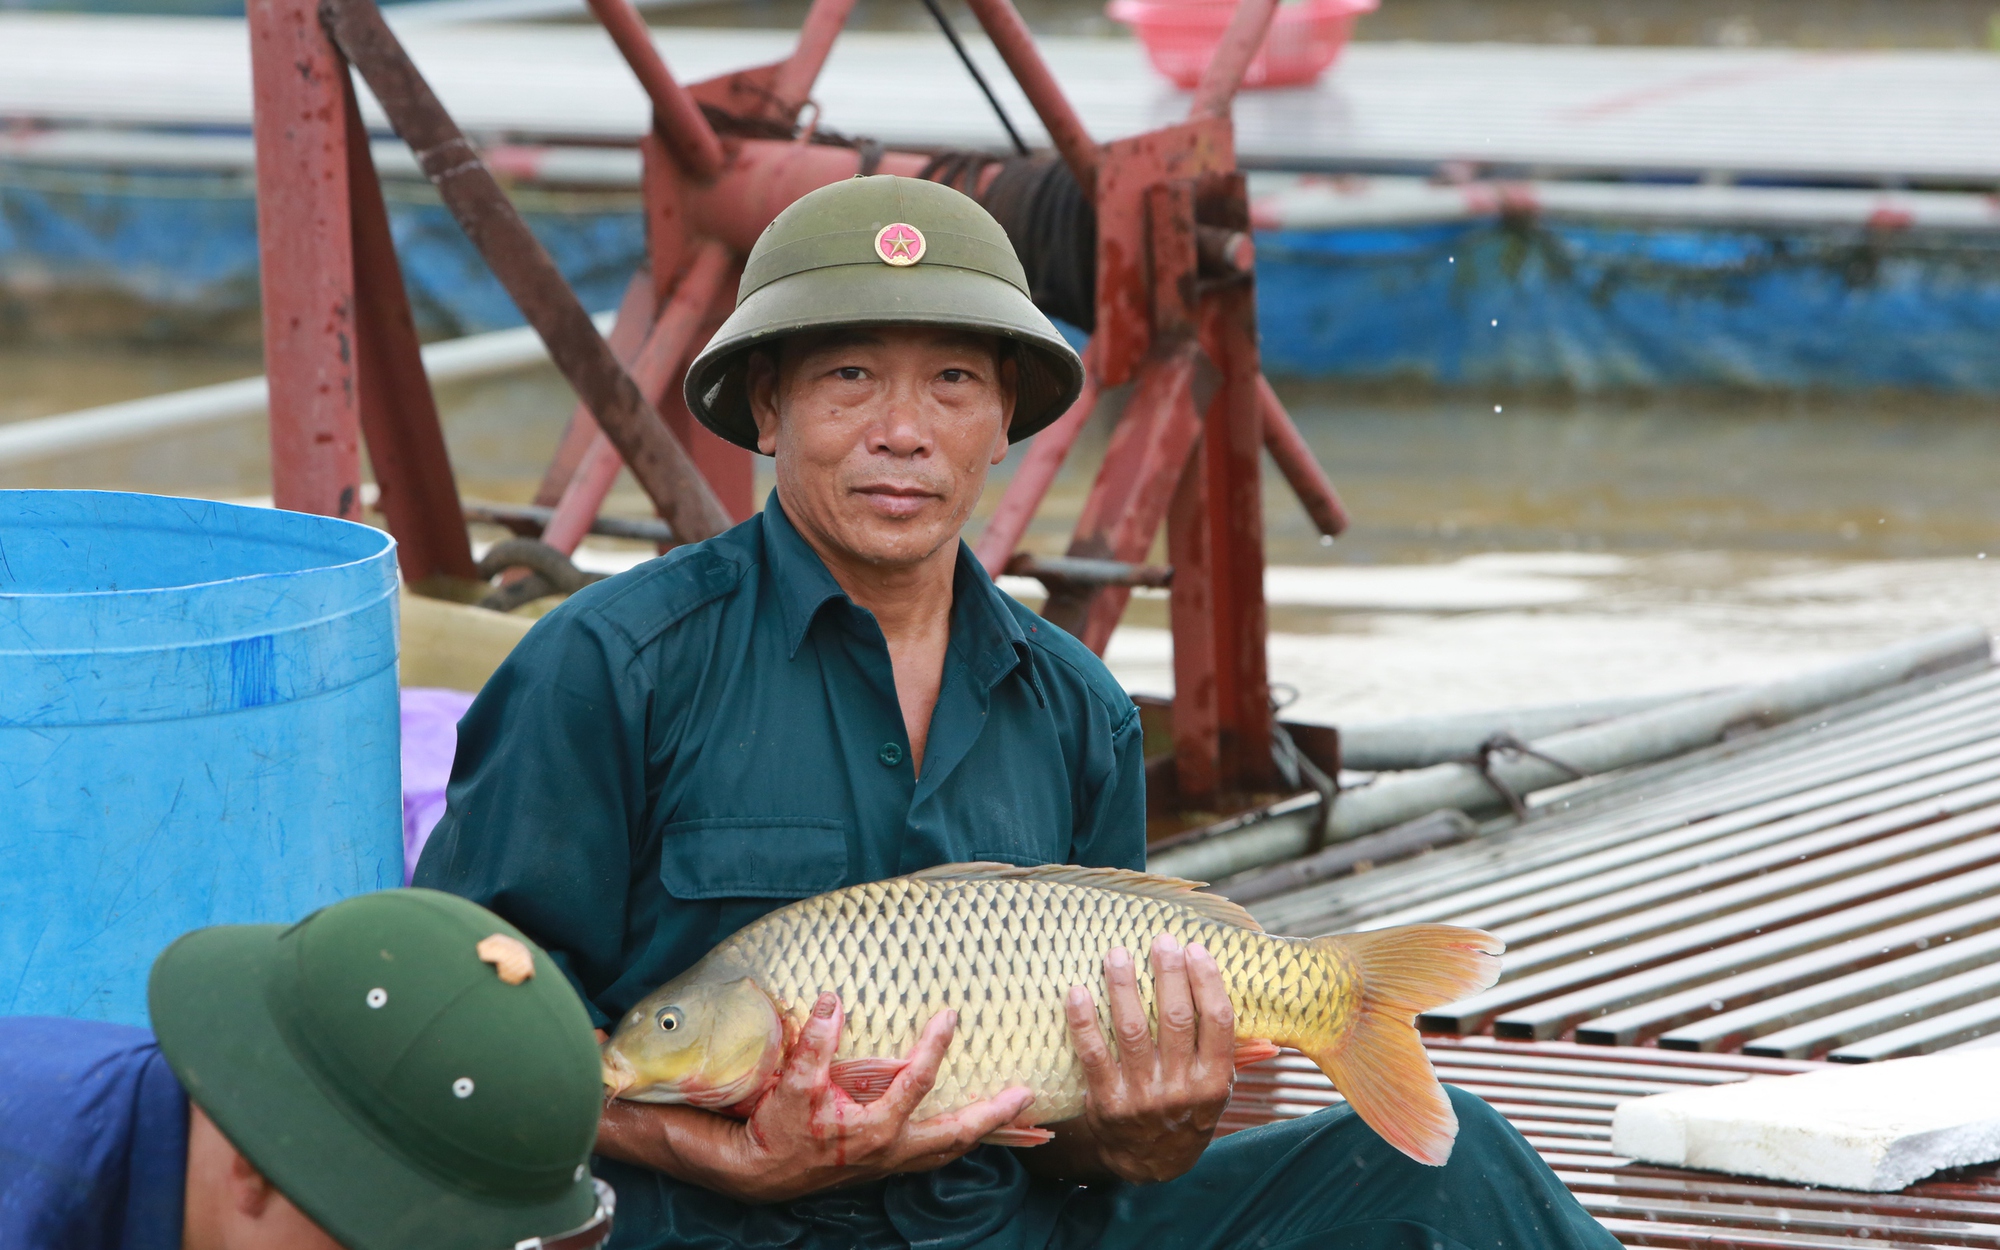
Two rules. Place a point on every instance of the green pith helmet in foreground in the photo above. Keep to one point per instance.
(405, 1067)
(883, 250)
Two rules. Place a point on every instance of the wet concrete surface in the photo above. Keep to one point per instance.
(1559, 548)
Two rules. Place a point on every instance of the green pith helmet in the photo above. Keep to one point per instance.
(883, 250)
(385, 1064)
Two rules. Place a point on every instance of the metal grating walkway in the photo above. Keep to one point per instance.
(1562, 1097)
(1829, 889)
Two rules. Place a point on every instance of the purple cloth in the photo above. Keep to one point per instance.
(430, 737)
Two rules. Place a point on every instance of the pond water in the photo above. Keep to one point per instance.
(1507, 549)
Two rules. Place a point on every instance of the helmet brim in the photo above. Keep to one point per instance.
(1050, 374)
(217, 1033)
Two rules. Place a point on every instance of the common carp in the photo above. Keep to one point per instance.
(1001, 945)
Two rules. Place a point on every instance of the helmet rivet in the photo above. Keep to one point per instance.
(900, 244)
(377, 996)
(462, 1087)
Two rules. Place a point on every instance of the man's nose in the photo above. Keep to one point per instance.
(904, 428)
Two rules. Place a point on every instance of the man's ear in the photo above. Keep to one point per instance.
(1010, 390)
(249, 1192)
(760, 383)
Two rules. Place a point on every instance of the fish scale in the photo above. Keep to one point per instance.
(1001, 945)
(1002, 953)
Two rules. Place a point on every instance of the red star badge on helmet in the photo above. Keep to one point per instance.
(899, 244)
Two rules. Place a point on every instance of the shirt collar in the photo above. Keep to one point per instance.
(798, 575)
(984, 633)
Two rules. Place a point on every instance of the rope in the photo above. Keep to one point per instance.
(1054, 229)
(965, 59)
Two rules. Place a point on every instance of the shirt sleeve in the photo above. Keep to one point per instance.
(548, 795)
(1113, 832)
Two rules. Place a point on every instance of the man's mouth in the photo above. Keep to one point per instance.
(895, 500)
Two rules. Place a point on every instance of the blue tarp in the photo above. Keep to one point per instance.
(1513, 302)
(1596, 306)
(169, 254)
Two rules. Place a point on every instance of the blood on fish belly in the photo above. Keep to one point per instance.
(1001, 945)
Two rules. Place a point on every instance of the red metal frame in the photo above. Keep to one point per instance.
(399, 418)
(1175, 318)
(306, 258)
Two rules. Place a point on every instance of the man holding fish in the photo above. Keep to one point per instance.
(844, 844)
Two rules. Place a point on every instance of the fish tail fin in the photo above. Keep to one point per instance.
(1377, 1061)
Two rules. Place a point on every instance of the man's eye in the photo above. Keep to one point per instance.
(954, 375)
(848, 373)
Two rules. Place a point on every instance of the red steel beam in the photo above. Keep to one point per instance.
(524, 268)
(628, 332)
(1003, 25)
(1129, 499)
(399, 416)
(305, 252)
(764, 178)
(796, 74)
(676, 116)
(1232, 448)
(666, 350)
(1191, 614)
(1301, 468)
(731, 470)
(1240, 41)
(1033, 477)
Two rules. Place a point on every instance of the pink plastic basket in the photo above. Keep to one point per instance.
(1181, 36)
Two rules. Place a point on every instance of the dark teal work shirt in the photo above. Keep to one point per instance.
(678, 750)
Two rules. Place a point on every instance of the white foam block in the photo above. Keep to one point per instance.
(1878, 1126)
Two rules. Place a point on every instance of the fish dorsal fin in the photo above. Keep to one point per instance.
(1118, 880)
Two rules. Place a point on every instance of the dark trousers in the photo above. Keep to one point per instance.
(1328, 1180)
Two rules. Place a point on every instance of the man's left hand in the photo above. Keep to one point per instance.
(1151, 1108)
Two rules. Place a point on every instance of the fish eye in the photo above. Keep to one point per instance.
(669, 1018)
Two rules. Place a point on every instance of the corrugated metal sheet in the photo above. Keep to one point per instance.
(1561, 1097)
(1869, 117)
(1827, 889)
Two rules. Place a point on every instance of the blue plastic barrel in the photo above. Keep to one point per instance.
(198, 725)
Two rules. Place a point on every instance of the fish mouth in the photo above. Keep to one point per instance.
(616, 1072)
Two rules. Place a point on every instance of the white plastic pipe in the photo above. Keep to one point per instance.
(44, 438)
(1639, 738)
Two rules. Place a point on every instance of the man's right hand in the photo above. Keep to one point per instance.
(807, 1134)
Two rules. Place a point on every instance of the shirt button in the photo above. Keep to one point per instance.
(890, 754)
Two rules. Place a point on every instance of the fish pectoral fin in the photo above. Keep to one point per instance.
(865, 1080)
(1254, 1050)
(1017, 1136)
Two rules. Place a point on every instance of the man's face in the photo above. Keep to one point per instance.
(883, 434)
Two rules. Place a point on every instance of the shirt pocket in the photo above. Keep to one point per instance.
(753, 857)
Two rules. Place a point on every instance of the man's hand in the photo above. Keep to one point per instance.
(807, 1135)
(1151, 1108)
